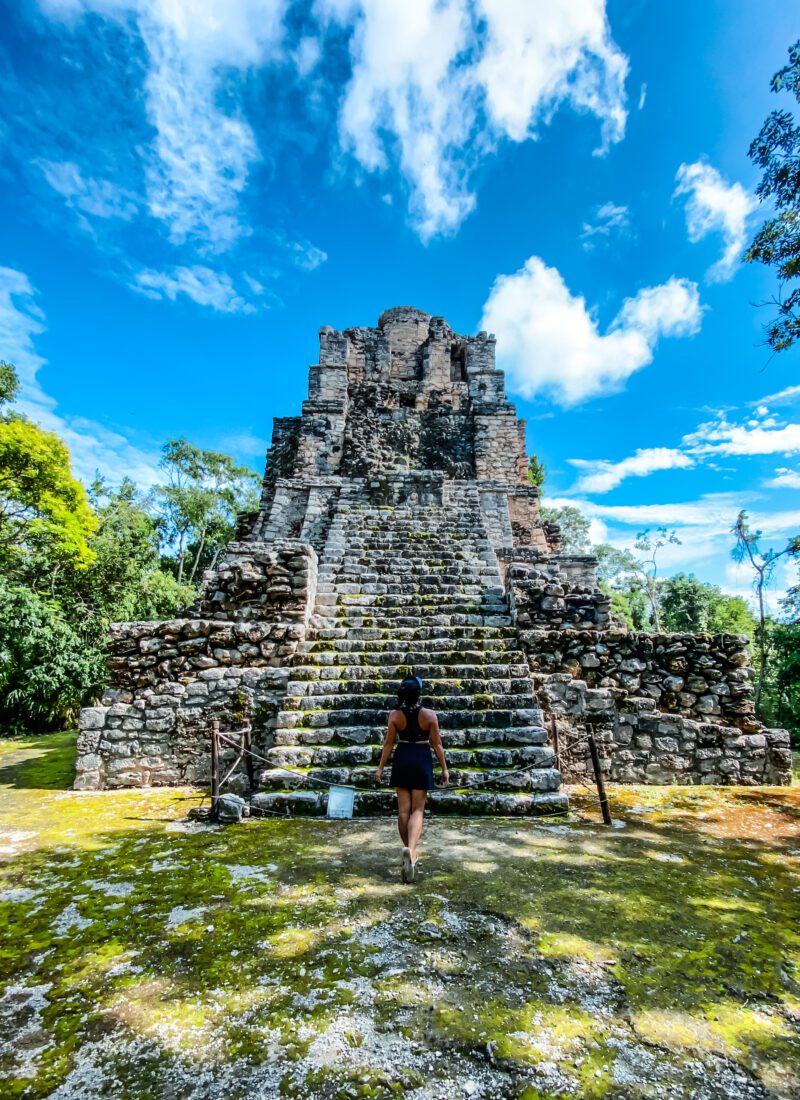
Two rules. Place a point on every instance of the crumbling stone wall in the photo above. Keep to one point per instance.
(228, 658)
(698, 676)
(551, 594)
(639, 743)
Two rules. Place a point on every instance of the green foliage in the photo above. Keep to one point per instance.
(204, 492)
(537, 472)
(9, 383)
(46, 670)
(44, 512)
(780, 700)
(126, 580)
(776, 151)
(690, 606)
(574, 528)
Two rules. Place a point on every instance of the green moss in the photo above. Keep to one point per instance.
(522, 944)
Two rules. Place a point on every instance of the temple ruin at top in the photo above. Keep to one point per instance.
(397, 533)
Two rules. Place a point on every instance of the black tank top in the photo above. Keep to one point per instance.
(413, 731)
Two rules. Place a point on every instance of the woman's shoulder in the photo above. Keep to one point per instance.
(427, 715)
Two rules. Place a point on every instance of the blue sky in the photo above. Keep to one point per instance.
(191, 188)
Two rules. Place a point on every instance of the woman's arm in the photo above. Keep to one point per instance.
(436, 745)
(391, 733)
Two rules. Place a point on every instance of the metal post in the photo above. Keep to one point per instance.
(598, 775)
(214, 769)
(247, 741)
(556, 746)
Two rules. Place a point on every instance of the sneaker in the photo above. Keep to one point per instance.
(407, 872)
(414, 871)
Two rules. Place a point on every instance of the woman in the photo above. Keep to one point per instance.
(417, 731)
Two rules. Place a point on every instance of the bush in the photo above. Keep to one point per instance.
(47, 672)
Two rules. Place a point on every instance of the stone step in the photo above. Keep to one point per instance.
(484, 736)
(458, 803)
(394, 622)
(473, 759)
(498, 717)
(438, 689)
(457, 634)
(427, 672)
(498, 779)
(445, 650)
(447, 603)
(384, 701)
(395, 588)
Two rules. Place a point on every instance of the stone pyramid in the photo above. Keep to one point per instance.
(397, 533)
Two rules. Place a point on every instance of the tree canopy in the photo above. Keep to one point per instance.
(776, 151)
(72, 562)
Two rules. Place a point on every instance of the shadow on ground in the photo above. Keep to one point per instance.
(142, 955)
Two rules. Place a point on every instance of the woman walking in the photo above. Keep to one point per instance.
(416, 729)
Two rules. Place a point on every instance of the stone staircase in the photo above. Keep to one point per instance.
(411, 590)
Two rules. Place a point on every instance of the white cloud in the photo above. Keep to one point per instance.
(715, 206)
(441, 81)
(93, 446)
(203, 149)
(21, 320)
(784, 479)
(201, 284)
(98, 198)
(782, 397)
(642, 96)
(719, 437)
(759, 434)
(609, 220)
(602, 476)
(548, 340)
(434, 86)
(307, 256)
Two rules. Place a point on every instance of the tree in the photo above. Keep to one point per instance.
(780, 699)
(126, 580)
(762, 562)
(690, 606)
(9, 383)
(650, 545)
(574, 528)
(47, 672)
(204, 492)
(776, 151)
(537, 472)
(45, 517)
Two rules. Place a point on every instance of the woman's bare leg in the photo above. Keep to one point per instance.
(416, 820)
(403, 813)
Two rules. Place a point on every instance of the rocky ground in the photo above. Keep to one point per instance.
(144, 955)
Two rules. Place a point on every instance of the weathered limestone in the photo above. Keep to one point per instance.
(397, 532)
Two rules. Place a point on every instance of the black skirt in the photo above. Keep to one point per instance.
(412, 767)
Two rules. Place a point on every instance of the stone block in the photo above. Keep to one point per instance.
(93, 718)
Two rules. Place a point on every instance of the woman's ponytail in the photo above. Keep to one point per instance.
(409, 692)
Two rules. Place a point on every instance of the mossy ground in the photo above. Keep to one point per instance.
(144, 956)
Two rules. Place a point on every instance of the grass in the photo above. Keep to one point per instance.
(142, 955)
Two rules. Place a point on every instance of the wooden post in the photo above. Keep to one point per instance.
(556, 747)
(214, 769)
(598, 775)
(247, 741)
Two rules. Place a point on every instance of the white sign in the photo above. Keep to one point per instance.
(340, 801)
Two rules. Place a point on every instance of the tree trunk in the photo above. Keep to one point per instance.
(762, 641)
(181, 555)
(197, 555)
